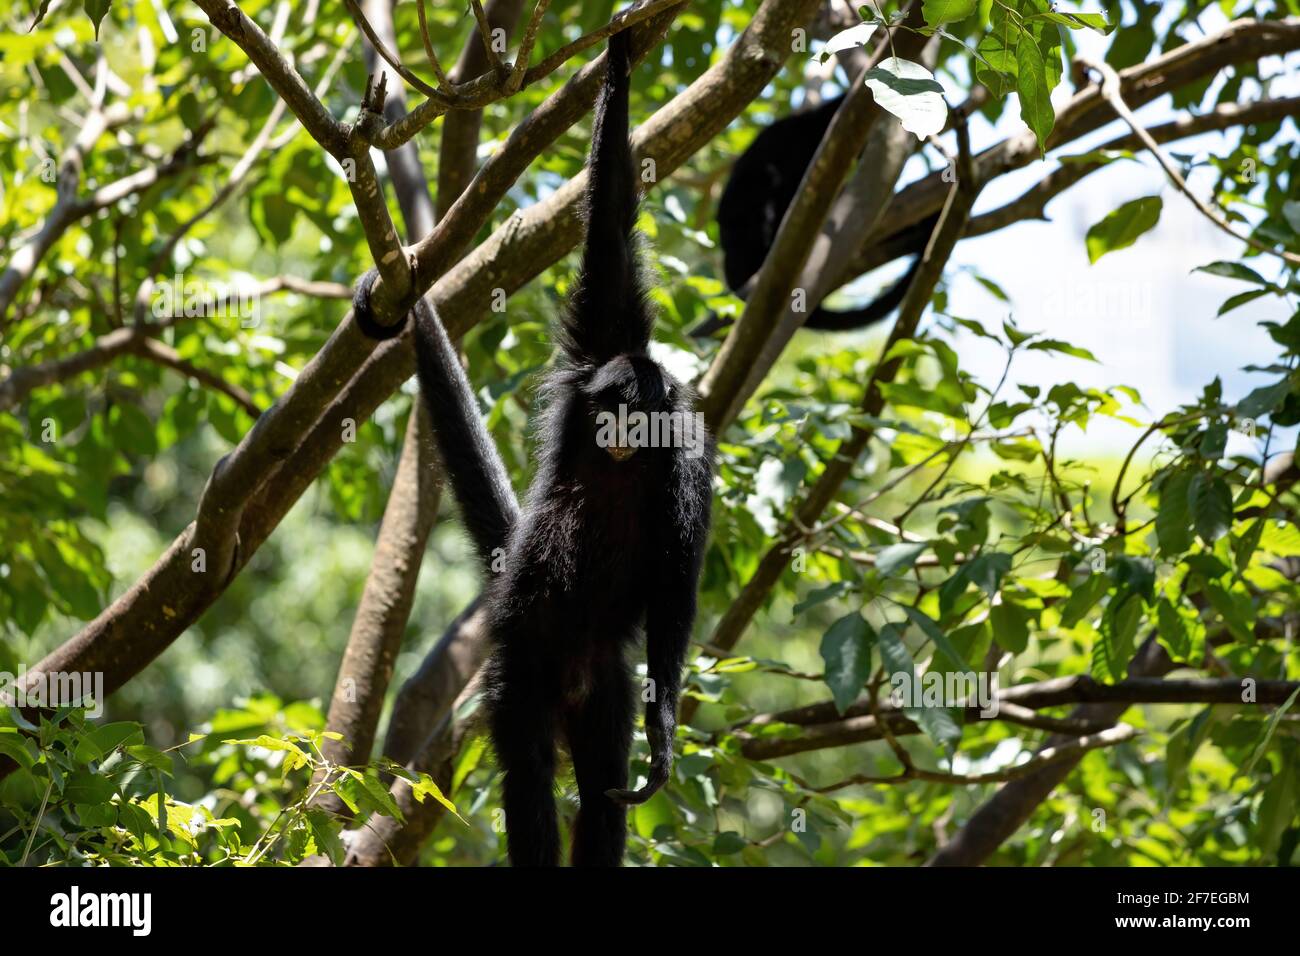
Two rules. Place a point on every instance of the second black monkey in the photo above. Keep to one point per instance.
(763, 183)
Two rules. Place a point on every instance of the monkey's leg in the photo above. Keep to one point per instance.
(523, 734)
(599, 734)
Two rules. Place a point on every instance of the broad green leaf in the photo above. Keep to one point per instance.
(946, 11)
(96, 10)
(909, 91)
(1264, 399)
(846, 650)
(1173, 632)
(1240, 299)
(1010, 627)
(930, 628)
(821, 595)
(1056, 345)
(937, 722)
(1233, 270)
(1083, 598)
(1173, 517)
(1209, 499)
(1114, 647)
(899, 557)
(1121, 228)
(1035, 88)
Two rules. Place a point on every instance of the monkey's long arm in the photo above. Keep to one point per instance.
(671, 613)
(469, 458)
(607, 314)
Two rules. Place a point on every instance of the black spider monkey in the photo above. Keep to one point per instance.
(762, 185)
(611, 537)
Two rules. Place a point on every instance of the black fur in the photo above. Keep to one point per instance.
(762, 185)
(603, 550)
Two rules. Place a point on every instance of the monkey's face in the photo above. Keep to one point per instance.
(628, 400)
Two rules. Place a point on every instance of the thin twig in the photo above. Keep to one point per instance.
(485, 31)
(1110, 90)
(526, 46)
(428, 46)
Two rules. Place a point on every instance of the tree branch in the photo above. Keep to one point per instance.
(1110, 90)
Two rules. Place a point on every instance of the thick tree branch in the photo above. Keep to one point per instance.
(825, 728)
(1072, 750)
(458, 147)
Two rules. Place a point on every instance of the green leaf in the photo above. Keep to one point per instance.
(846, 650)
(937, 723)
(96, 10)
(1210, 501)
(1277, 809)
(1035, 90)
(18, 748)
(930, 628)
(1245, 546)
(1261, 746)
(946, 11)
(1172, 631)
(106, 738)
(1113, 651)
(1233, 270)
(821, 595)
(1240, 299)
(985, 572)
(1079, 21)
(426, 787)
(131, 430)
(40, 15)
(1173, 518)
(1055, 345)
(82, 786)
(1214, 442)
(909, 91)
(1264, 399)
(1010, 627)
(1083, 598)
(1121, 228)
(899, 557)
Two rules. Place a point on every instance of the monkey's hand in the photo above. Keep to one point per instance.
(661, 767)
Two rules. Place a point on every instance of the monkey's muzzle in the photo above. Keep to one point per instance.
(621, 452)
